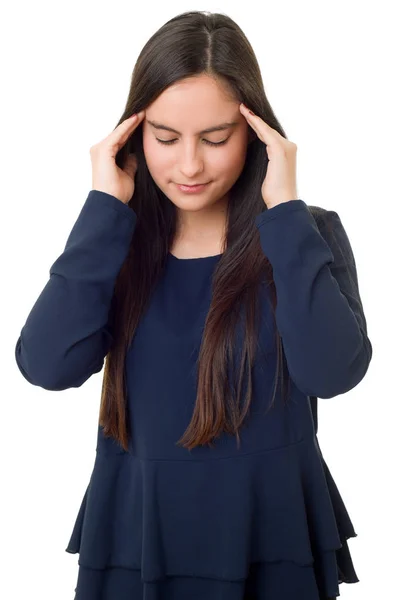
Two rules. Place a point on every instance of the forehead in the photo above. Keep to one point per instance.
(194, 105)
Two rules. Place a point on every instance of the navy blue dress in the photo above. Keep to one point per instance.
(263, 521)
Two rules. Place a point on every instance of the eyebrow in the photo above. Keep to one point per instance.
(221, 127)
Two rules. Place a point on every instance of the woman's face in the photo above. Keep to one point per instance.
(190, 106)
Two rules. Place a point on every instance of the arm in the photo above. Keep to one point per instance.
(65, 338)
(319, 311)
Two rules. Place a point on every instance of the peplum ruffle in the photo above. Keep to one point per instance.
(268, 524)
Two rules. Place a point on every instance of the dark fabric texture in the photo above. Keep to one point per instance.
(261, 521)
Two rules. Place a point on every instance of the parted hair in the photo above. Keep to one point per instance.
(188, 45)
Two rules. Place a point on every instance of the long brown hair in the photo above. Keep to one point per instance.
(188, 45)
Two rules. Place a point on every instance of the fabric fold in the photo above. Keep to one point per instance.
(144, 515)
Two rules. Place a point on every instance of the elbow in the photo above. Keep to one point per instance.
(336, 378)
(353, 370)
(28, 367)
(51, 375)
(36, 371)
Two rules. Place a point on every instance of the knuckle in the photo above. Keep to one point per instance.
(94, 149)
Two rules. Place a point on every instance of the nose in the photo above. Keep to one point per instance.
(191, 163)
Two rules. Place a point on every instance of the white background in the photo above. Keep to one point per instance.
(331, 76)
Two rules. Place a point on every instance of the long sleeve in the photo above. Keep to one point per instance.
(319, 311)
(65, 338)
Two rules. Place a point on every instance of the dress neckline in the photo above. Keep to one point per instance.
(196, 259)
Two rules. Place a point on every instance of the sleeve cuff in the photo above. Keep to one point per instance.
(104, 199)
(280, 209)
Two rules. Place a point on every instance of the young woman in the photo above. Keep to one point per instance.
(222, 312)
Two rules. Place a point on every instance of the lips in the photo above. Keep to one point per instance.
(192, 189)
(192, 184)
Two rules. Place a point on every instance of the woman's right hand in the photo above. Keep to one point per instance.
(106, 175)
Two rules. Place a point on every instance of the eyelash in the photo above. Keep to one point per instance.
(170, 142)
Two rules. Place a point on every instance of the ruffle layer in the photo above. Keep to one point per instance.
(275, 581)
(269, 513)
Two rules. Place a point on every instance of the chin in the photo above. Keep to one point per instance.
(191, 203)
(188, 201)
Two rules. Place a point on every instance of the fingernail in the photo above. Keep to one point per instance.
(250, 111)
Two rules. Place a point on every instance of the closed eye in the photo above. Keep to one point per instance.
(169, 142)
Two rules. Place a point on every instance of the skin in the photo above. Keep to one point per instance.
(190, 106)
(280, 183)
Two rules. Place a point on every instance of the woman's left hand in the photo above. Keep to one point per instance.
(279, 184)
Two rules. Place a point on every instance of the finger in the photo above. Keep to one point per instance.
(266, 134)
(124, 130)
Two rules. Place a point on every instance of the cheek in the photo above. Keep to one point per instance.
(156, 159)
(231, 160)
(150, 149)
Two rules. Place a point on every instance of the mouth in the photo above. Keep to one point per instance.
(192, 188)
(192, 184)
